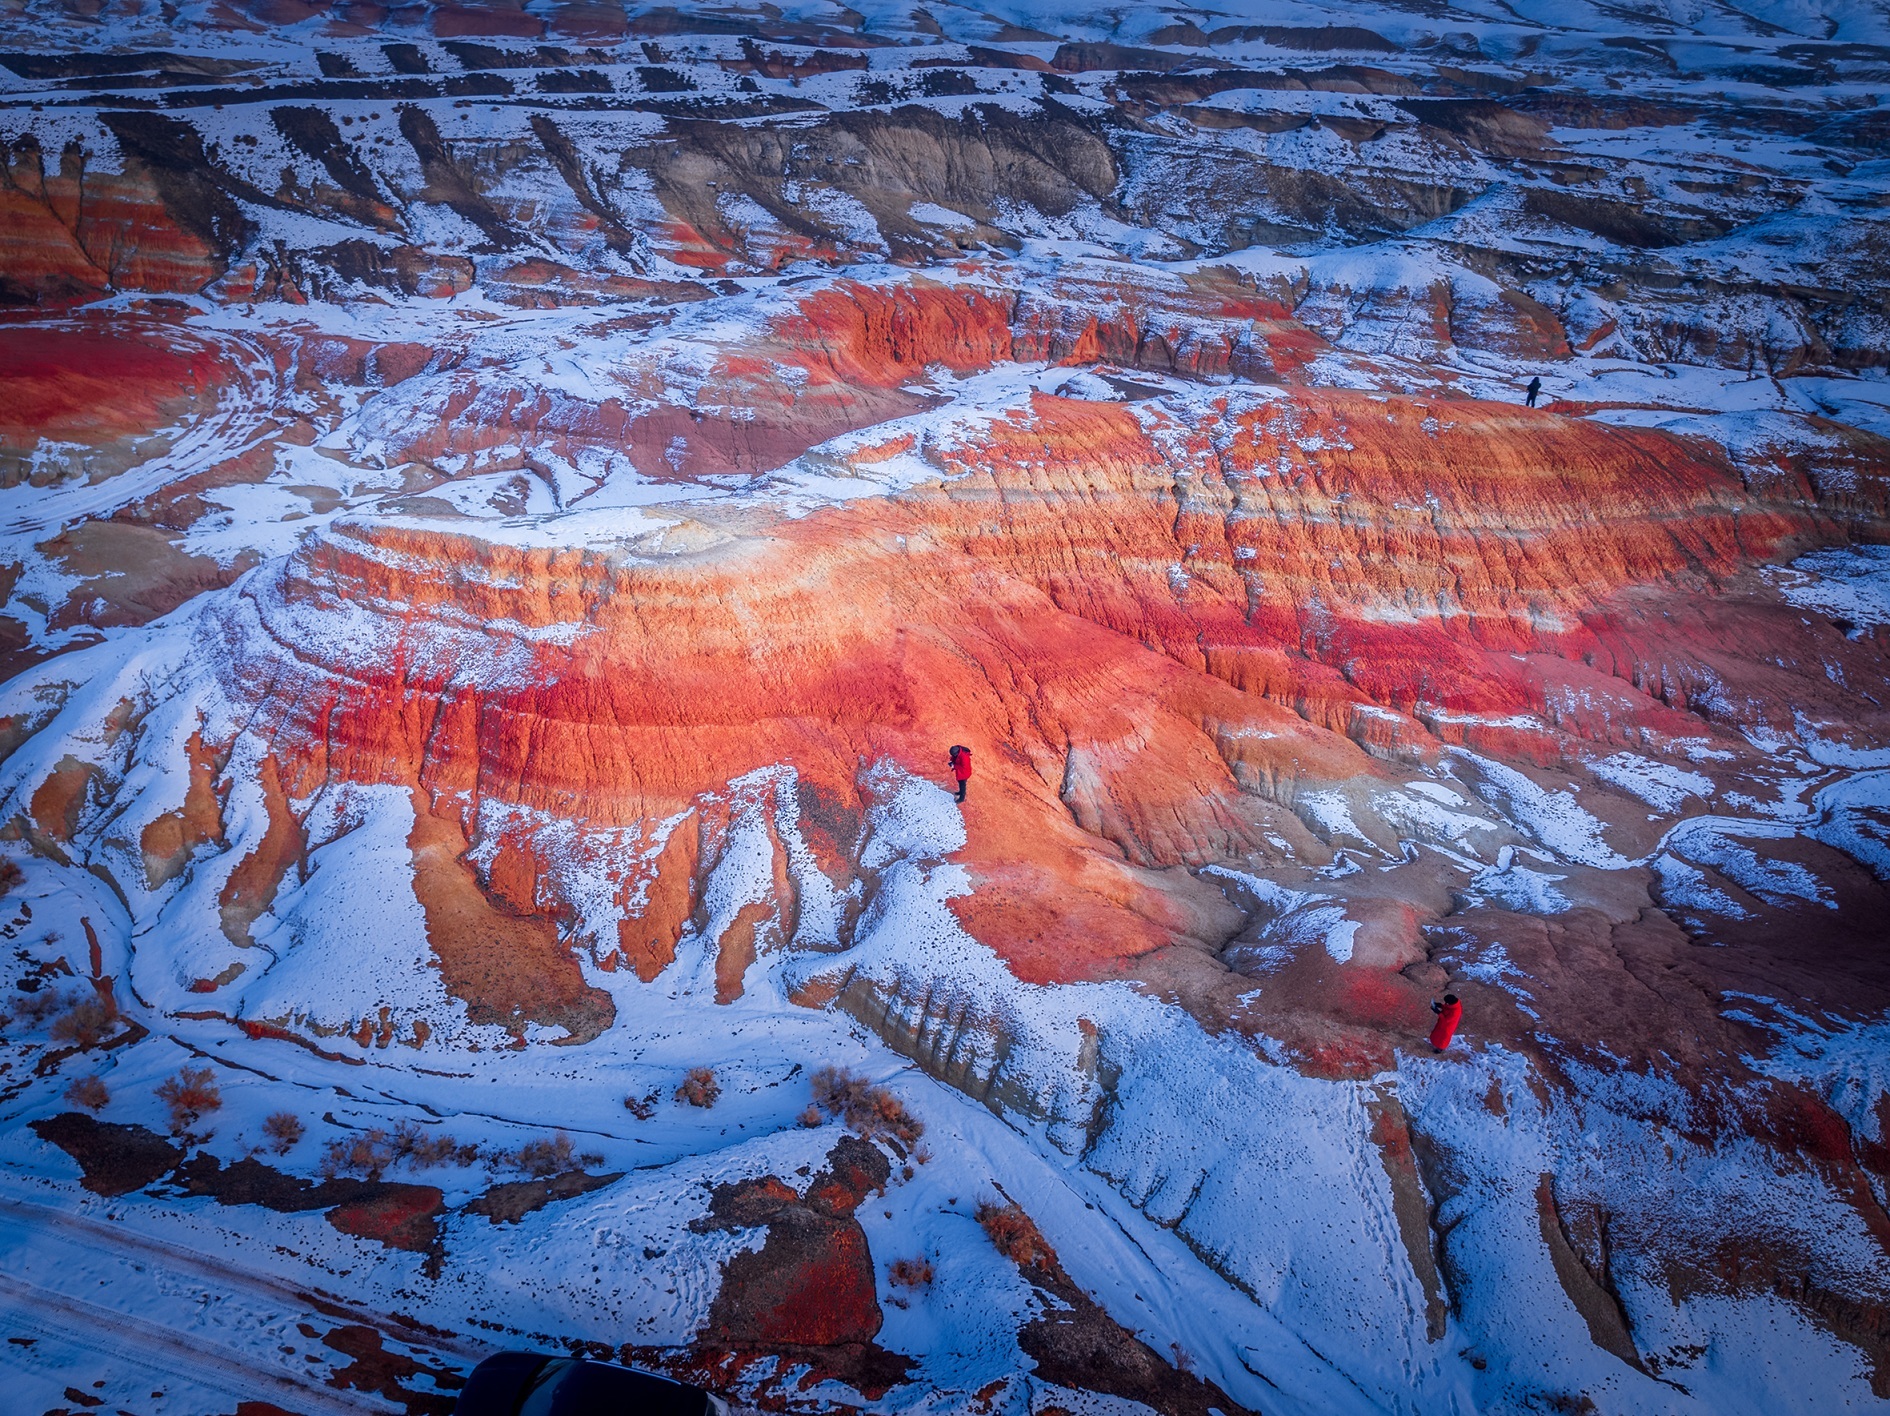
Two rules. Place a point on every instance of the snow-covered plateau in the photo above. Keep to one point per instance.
(506, 505)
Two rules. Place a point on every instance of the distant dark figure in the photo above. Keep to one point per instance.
(1449, 1014)
(961, 768)
(1535, 387)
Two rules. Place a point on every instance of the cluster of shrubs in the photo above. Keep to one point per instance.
(87, 1021)
(867, 1110)
(84, 1018)
(370, 1154)
(551, 1155)
(189, 1096)
(81, 1020)
(699, 1088)
(193, 1094)
(911, 1273)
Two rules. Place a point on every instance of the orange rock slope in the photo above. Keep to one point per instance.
(1148, 631)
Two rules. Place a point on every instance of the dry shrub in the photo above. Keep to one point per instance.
(283, 1130)
(191, 1095)
(643, 1108)
(835, 1087)
(366, 1154)
(372, 1152)
(88, 1092)
(911, 1273)
(1015, 1235)
(868, 1110)
(811, 1117)
(423, 1147)
(33, 1008)
(547, 1156)
(11, 876)
(86, 1022)
(699, 1088)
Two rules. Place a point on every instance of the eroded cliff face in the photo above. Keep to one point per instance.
(1149, 618)
(506, 508)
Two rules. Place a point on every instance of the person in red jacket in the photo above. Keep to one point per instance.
(1449, 1014)
(961, 768)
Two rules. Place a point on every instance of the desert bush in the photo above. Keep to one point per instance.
(424, 1147)
(1015, 1235)
(88, 1092)
(283, 1130)
(366, 1154)
(11, 876)
(86, 1022)
(811, 1117)
(643, 1108)
(551, 1155)
(699, 1088)
(546, 1156)
(371, 1153)
(868, 1110)
(191, 1095)
(911, 1273)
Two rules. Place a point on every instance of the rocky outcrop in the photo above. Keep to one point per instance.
(810, 1292)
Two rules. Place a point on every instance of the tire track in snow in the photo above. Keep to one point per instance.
(115, 1334)
(165, 1353)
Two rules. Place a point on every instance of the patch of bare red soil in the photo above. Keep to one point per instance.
(396, 1215)
(97, 382)
(392, 1375)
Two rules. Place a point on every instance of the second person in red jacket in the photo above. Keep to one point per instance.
(1449, 1014)
(961, 768)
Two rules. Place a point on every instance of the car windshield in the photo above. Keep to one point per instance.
(544, 1386)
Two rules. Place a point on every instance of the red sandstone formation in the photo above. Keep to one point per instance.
(74, 234)
(1135, 625)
